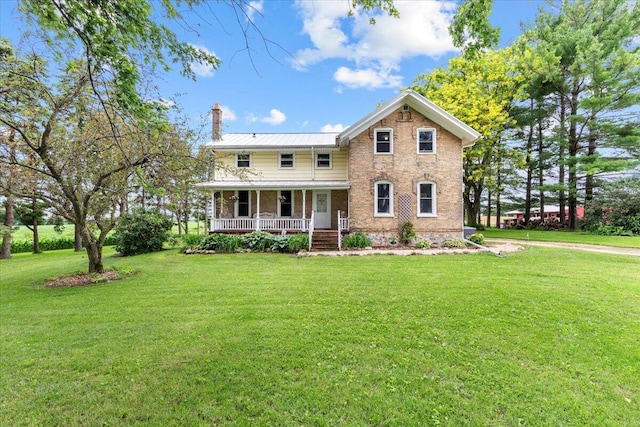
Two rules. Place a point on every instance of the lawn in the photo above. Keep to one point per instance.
(541, 337)
(564, 236)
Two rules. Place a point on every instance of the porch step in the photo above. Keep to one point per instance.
(325, 240)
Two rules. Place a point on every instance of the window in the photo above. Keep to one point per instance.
(243, 160)
(383, 141)
(323, 160)
(243, 203)
(286, 202)
(287, 161)
(383, 199)
(426, 199)
(426, 141)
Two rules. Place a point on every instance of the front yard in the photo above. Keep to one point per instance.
(541, 337)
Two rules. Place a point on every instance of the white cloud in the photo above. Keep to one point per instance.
(254, 7)
(332, 128)
(275, 117)
(376, 50)
(227, 114)
(200, 69)
(367, 78)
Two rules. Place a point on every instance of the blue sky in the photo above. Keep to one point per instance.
(319, 70)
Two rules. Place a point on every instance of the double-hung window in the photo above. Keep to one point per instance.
(426, 141)
(323, 160)
(426, 199)
(243, 160)
(383, 141)
(287, 161)
(383, 199)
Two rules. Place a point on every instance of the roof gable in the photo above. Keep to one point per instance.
(424, 107)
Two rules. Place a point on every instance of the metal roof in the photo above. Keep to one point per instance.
(274, 185)
(279, 141)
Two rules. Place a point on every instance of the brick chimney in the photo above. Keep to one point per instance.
(216, 118)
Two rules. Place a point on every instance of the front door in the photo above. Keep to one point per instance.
(322, 208)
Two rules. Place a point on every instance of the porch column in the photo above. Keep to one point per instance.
(304, 210)
(257, 209)
(213, 210)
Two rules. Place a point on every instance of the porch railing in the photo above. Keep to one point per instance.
(266, 224)
(311, 227)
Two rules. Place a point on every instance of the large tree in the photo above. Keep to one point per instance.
(480, 91)
(592, 62)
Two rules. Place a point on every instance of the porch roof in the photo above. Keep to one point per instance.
(274, 185)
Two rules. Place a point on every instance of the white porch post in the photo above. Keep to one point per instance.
(213, 210)
(258, 210)
(304, 209)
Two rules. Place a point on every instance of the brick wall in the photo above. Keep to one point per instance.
(405, 168)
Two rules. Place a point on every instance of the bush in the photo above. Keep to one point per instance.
(423, 244)
(191, 241)
(356, 240)
(298, 242)
(615, 206)
(454, 243)
(258, 241)
(220, 243)
(280, 243)
(477, 238)
(141, 232)
(407, 233)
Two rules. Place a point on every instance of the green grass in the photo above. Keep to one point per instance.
(541, 337)
(564, 236)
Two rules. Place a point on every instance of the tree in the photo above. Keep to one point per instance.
(593, 64)
(31, 213)
(480, 91)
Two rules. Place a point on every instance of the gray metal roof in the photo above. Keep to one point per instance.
(277, 141)
(274, 185)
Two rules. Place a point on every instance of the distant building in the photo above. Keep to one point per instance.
(551, 214)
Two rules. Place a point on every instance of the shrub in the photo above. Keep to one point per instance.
(141, 231)
(454, 243)
(258, 241)
(220, 243)
(423, 244)
(298, 242)
(479, 227)
(477, 238)
(616, 205)
(407, 233)
(356, 240)
(280, 243)
(191, 241)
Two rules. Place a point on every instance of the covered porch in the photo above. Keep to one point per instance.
(291, 207)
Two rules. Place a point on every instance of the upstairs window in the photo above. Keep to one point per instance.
(243, 160)
(383, 199)
(426, 141)
(426, 199)
(323, 160)
(287, 161)
(383, 141)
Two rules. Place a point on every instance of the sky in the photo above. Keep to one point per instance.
(309, 67)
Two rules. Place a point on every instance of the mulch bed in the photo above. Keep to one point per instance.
(82, 279)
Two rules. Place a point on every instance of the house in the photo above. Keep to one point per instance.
(551, 214)
(402, 162)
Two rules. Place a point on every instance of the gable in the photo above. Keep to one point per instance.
(422, 105)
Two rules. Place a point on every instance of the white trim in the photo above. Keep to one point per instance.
(375, 141)
(433, 131)
(423, 106)
(330, 161)
(434, 205)
(375, 200)
(243, 154)
(293, 160)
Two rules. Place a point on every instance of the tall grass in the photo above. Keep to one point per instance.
(541, 337)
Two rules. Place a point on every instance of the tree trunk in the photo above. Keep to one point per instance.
(589, 183)
(573, 153)
(561, 168)
(541, 167)
(488, 208)
(498, 207)
(34, 225)
(77, 238)
(94, 251)
(527, 196)
(8, 222)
